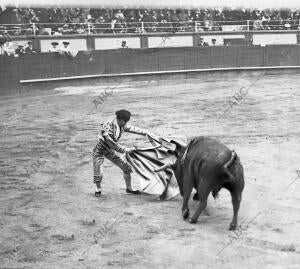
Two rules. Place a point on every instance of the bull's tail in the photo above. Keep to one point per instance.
(228, 164)
(215, 192)
(226, 171)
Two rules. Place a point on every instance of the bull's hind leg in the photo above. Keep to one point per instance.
(187, 189)
(236, 197)
(236, 188)
(203, 192)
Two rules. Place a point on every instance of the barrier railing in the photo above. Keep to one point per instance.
(122, 27)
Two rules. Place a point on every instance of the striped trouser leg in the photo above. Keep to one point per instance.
(117, 160)
(98, 159)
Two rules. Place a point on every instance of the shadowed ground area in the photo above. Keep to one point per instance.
(51, 219)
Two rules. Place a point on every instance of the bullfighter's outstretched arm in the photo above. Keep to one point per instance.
(140, 131)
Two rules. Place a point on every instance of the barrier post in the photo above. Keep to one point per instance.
(298, 33)
(89, 28)
(142, 27)
(196, 25)
(90, 43)
(36, 44)
(144, 41)
(248, 26)
(298, 37)
(33, 28)
(249, 38)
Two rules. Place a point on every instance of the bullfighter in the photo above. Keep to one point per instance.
(107, 146)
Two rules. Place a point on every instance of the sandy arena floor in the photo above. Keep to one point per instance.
(51, 219)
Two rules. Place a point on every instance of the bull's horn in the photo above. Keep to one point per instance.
(164, 167)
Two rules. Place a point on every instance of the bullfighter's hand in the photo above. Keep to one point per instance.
(130, 150)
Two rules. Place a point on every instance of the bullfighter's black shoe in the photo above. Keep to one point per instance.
(97, 193)
(137, 192)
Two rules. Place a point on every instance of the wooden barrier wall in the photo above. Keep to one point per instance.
(47, 65)
(152, 40)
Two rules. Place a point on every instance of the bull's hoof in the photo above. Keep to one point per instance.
(185, 213)
(193, 221)
(232, 226)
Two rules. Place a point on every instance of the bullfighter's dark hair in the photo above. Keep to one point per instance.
(123, 115)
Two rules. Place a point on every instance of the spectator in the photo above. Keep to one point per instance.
(201, 43)
(29, 49)
(100, 25)
(6, 45)
(123, 45)
(113, 24)
(65, 49)
(183, 19)
(119, 16)
(133, 26)
(7, 37)
(2, 42)
(16, 30)
(257, 25)
(288, 24)
(214, 42)
(42, 31)
(8, 49)
(65, 29)
(54, 48)
(20, 51)
(80, 30)
(91, 26)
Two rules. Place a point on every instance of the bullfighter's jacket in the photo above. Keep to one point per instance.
(110, 133)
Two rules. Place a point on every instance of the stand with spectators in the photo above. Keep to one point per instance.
(54, 21)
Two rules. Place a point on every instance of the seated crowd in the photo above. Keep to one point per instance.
(7, 48)
(54, 21)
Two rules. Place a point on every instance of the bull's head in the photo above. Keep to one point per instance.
(179, 148)
(178, 151)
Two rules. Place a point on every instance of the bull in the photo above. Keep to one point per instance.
(207, 165)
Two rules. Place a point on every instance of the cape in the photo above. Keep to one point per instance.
(145, 160)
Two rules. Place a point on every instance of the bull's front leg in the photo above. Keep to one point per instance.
(187, 189)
